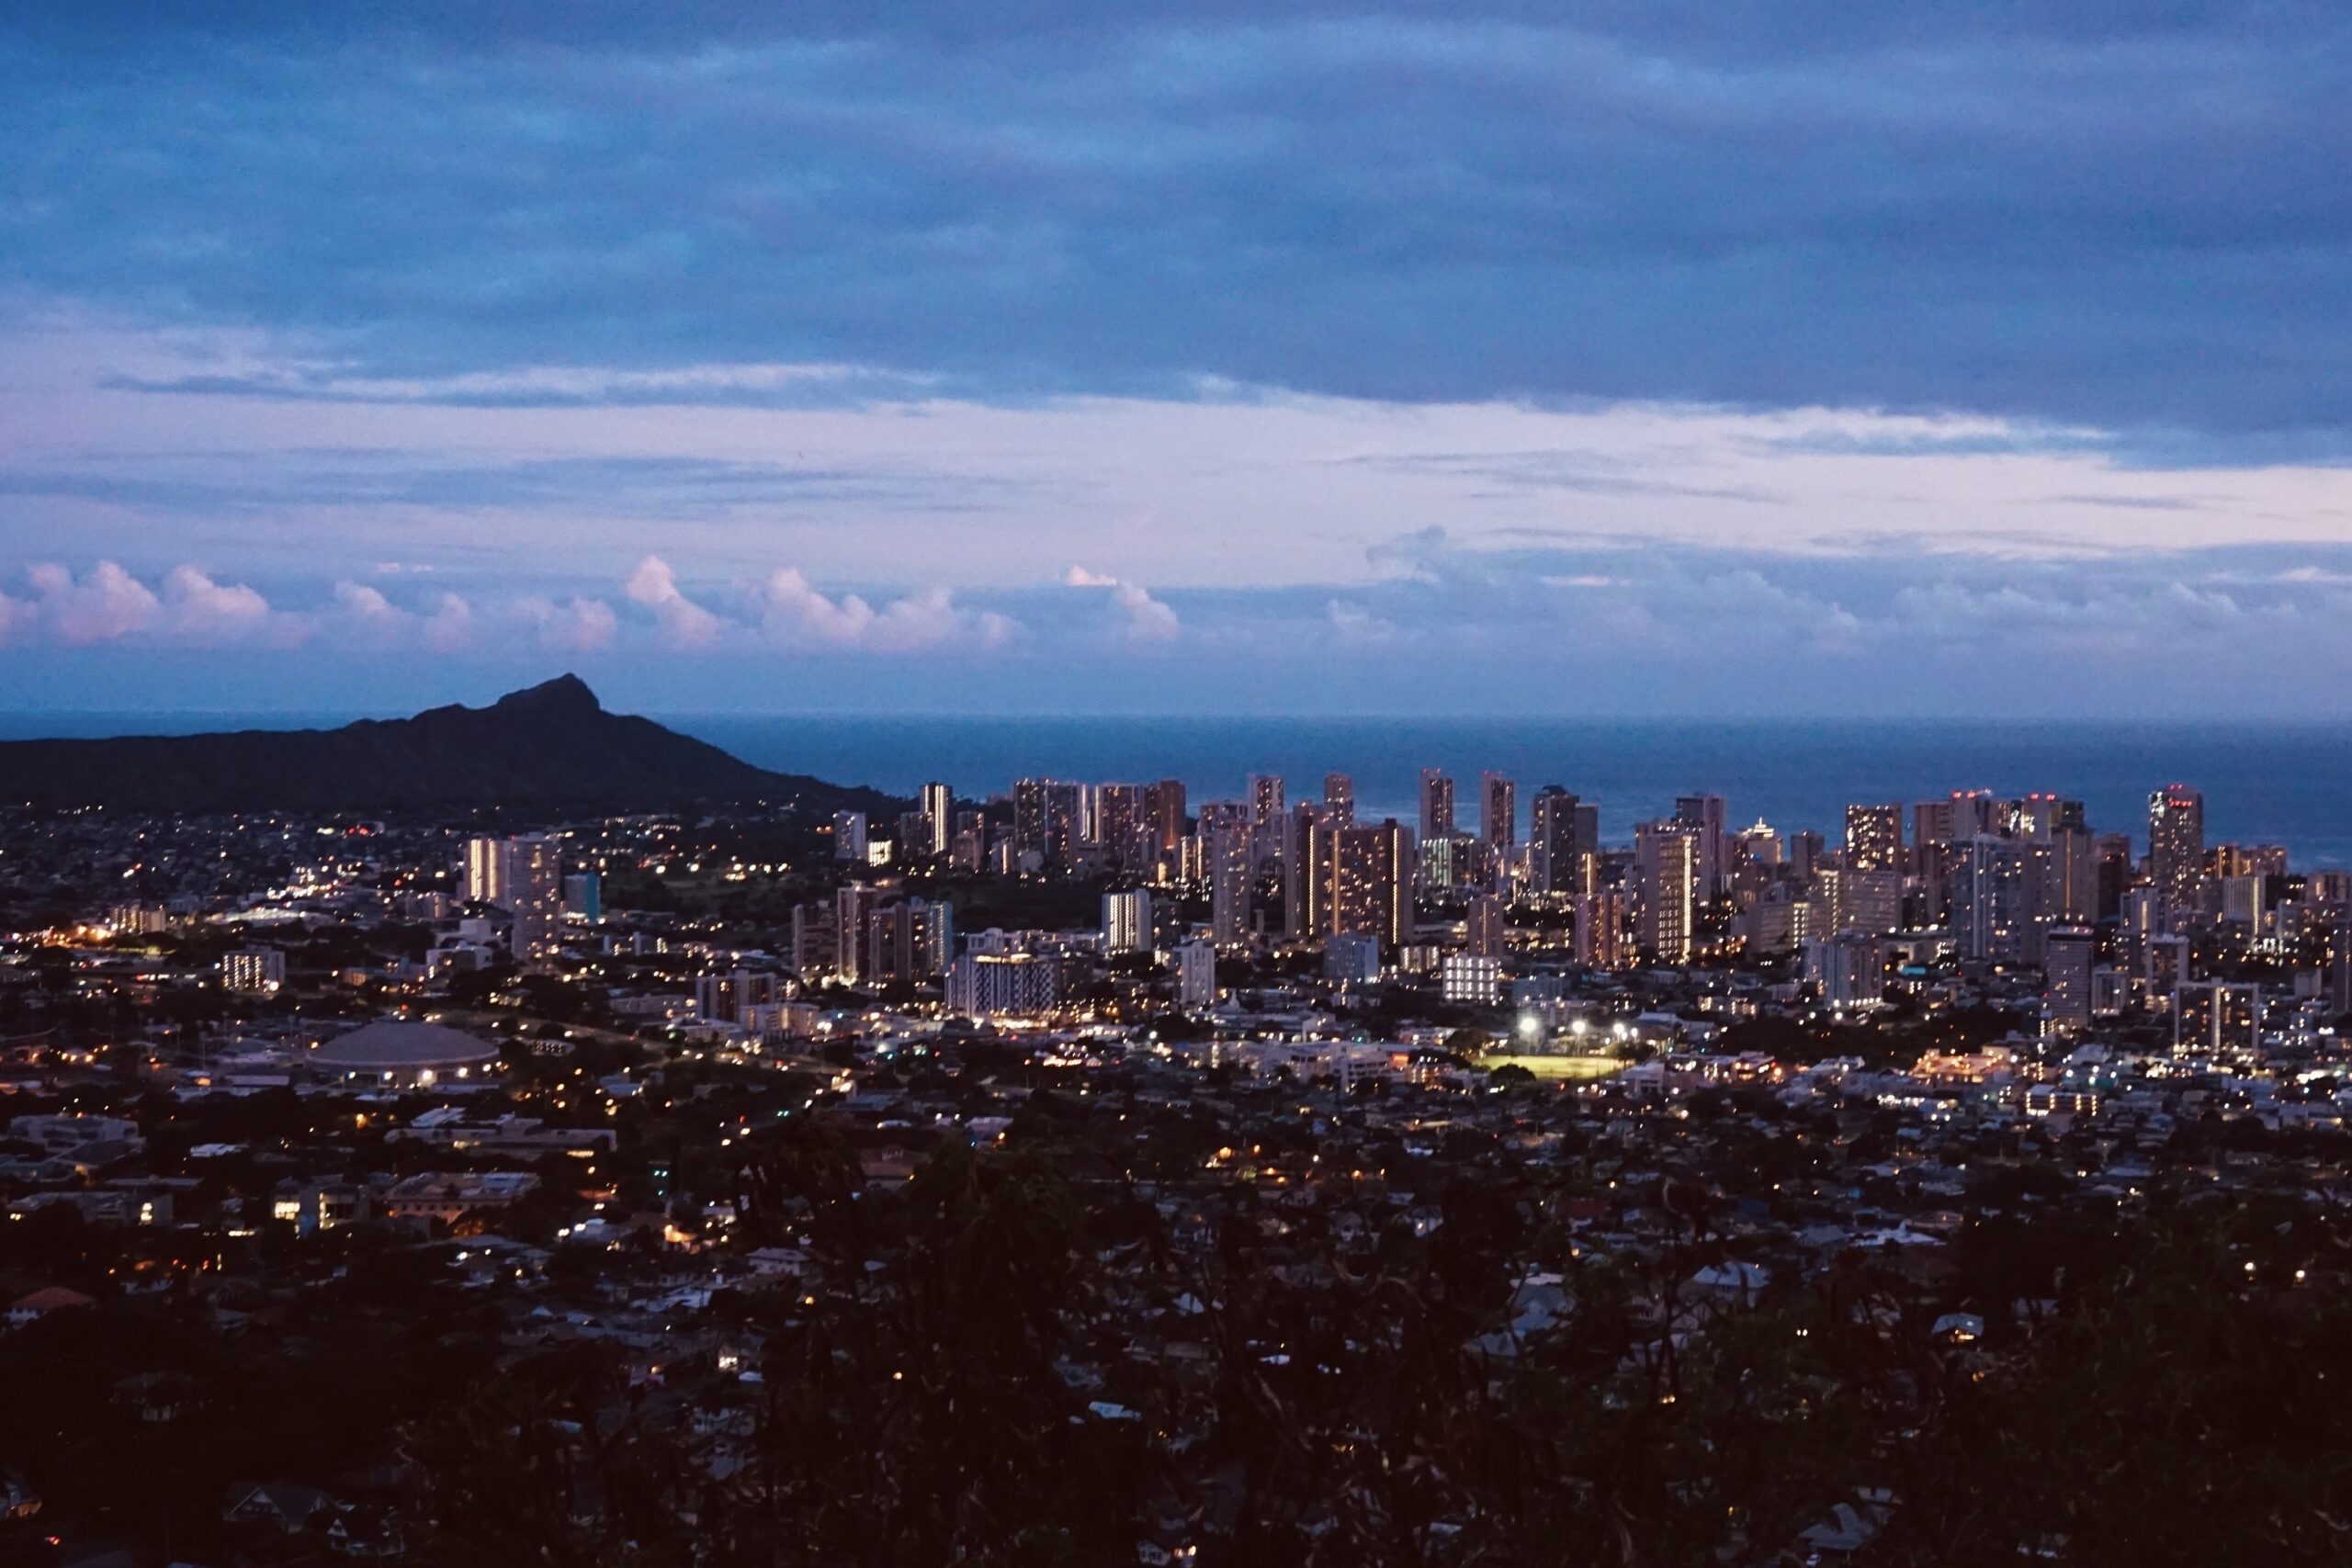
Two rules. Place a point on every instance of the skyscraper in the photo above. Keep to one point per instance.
(1564, 833)
(1163, 811)
(1047, 822)
(1029, 819)
(523, 876)
(1666, 868)
(2176, 848)
(1126, 921)
(1437, 805)
(532, 891)
(1498, 810)
(1195, 975)
(1601, 929)
(1306, 873)
(939, 807)
(2068, 955)
(1372, 881)
(1120, 810)
(1706, 813)
(1487, 931)
(1266, 825)
(1992, 900)
(1065, 824)
(1340, 798)
(1226, 838)
(849, 837)
(1874, 838)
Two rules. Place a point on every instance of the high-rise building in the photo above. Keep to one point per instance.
(816, 940)
(1267, 827)
(935, 936)
(1265, 799)
(2176, 848)
(1759, 845)
(849, 837)
(2339, 968)
(2069, 955)
(2114, 872)
(1126, 921)
(990, 984)
(1227, 835)
(1843, 899)
(523, 876)
(1498, 810)
(939, 810)
(1487, 930)
(1196, 974)
(1306, 873)
(1708, 815)
(1874, 838)
(485, 863)
(1163, 813)
(1564, 835)
(1847, 969)
(1065, 825)
(852, 902)
(1120, 810)
(1667, 858)
(1047, 822)
(1601, 930)
(1973, 811)
(2217, 1017)
(1340, 798)
(2164, 965)
(1371, 879)
(1029, 820)
(2073, 895)
(1437, 806)
(1991, 902)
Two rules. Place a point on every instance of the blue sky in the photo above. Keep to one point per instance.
(1587, 358)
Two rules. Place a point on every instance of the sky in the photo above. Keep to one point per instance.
(1581, 359)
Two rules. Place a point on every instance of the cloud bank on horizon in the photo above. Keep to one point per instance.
(1666, 358)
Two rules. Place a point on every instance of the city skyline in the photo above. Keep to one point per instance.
(1670, 363)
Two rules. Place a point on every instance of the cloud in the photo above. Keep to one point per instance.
(196, 606)
(654, 586)
(794, 611)
(450, 627)
(105, 604)
(579, 625)
(108, 604)
(2074, 214)
(1146, 619)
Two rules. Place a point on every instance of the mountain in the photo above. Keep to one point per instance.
(551, 746)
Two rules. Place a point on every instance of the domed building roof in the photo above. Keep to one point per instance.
(392, 1046)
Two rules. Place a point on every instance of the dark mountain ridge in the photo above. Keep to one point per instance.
(551, 746)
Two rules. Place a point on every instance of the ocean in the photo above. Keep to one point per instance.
(2269, 783)
(2263, 784)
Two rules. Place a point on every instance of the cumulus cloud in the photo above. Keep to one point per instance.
(577, 625)
(109, 603)
(685, 623)
(195, 605)
(106, 603)
(1146, 619)
(794, 610)
(450, 627)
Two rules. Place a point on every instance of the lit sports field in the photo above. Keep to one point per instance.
(1558, 1066)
